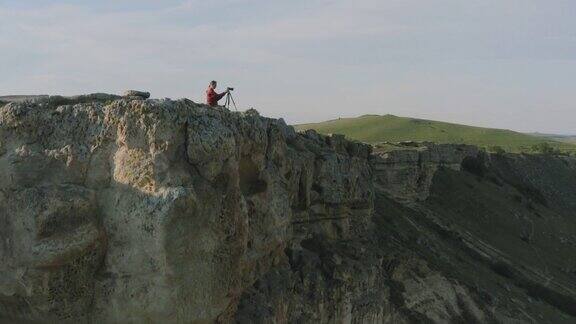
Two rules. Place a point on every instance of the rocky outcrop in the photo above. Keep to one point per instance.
(406, 171)
(161, 210)
(135, 94)
(128, 210)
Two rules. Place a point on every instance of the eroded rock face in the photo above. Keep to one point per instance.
(159, 210)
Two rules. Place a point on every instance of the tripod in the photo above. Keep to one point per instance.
(230, 99)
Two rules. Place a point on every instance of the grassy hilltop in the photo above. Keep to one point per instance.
(375, 129)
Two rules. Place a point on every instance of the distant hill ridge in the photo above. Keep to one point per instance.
(375, 129)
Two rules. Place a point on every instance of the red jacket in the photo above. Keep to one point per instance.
(212, 97)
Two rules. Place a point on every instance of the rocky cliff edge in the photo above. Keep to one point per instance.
(131, 210)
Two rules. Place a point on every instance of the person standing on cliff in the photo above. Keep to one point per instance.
(212, 96)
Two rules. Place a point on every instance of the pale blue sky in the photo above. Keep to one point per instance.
(498, 63)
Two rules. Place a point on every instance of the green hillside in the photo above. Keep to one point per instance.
(388, 128)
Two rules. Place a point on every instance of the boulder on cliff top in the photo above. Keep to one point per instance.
(136, 93)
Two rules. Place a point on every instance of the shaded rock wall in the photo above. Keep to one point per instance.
(501, 227)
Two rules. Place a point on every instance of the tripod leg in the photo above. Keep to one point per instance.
(233, 103)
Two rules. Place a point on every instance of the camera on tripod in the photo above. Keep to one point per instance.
(230, 99)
